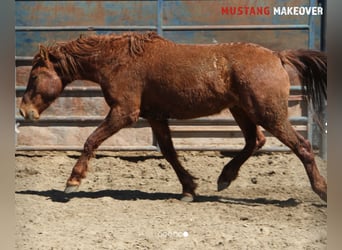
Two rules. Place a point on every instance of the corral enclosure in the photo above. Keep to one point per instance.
(130, 199)
(67, 123)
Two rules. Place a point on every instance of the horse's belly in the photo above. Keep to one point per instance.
(182, 109)
(164, 114)
(188, 96)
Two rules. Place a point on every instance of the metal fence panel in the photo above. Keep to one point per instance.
(181, 21)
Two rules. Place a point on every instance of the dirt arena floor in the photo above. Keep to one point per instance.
(129, 200)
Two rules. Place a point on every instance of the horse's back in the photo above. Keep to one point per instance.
(187, 81)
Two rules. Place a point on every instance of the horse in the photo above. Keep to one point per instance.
(145, 75)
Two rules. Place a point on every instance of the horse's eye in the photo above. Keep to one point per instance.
(33, 77)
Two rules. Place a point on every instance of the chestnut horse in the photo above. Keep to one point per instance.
(145, 75)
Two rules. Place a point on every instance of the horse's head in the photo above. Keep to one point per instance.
(44, 86)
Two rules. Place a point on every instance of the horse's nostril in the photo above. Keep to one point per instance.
(32, 115)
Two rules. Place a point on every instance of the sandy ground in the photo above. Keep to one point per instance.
(130, 201)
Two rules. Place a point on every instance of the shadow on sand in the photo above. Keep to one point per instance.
(130, 195)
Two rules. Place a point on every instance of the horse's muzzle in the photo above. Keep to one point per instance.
(30, 114)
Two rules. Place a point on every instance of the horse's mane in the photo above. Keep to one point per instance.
(86, 46)
(68, 56)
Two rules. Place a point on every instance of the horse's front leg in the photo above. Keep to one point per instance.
(115, 120)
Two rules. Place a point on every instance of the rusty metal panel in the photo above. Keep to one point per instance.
(49, 21)
(268, 30)
(83, 13)
(207, 12)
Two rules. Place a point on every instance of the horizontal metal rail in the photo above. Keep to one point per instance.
(147, 148)
(71, 91)
(90, 121)
(165, 27)
(86, 28)
(235, 27)
(23, 61)
(80, 91)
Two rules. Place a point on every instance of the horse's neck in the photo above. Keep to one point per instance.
(100, 66)
(100, 69)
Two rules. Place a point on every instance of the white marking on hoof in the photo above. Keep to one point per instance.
(187, 198)
(70, 189)
(16, 128)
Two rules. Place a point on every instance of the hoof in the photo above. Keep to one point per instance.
(222, 185)
(187, 197)
(70, 189)
(324, 197)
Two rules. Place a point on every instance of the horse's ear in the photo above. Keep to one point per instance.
(44, 53)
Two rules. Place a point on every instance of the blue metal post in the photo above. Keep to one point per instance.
(160, 17)
(321, 138)
(311, 44)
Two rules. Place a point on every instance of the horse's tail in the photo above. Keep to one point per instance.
(311, 67)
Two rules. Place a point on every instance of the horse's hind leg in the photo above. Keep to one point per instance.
(302, 148)
(163, 135)
(260, 140)
(254, 138)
